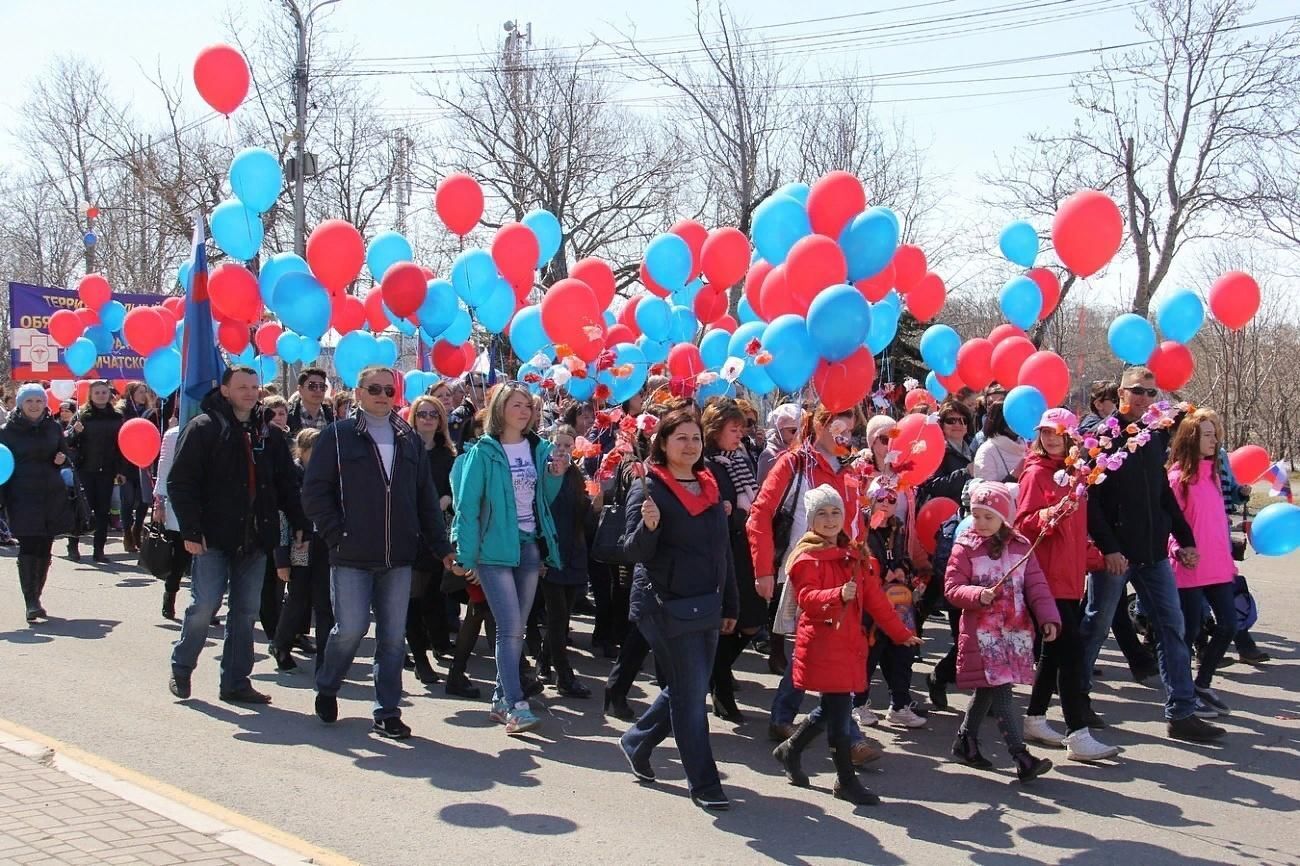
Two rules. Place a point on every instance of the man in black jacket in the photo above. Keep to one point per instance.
(1131, 515)
(370, 494)
(308, 408)
(231, 478)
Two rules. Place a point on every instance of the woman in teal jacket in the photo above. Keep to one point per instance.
(503, 531)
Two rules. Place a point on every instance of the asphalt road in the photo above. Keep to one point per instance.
(96, 677)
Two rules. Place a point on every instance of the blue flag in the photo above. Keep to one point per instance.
(201, 362)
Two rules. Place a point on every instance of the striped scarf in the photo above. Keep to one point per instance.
(740, 472)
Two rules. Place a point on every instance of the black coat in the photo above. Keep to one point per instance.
(574, 519)
(368, 520)
(208, 486)
(96, 445)
(950, 478)
(440, 462)
(35, 497)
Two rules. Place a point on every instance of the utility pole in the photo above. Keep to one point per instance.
(303, 163)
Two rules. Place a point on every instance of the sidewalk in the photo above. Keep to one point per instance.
(57, 809)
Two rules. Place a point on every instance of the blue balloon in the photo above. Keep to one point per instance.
(839, 319)
(386, 250)
(245, 358)
(1276, 529)
(308, 350)
(626, 387)
(526, 335)
(934, 386)
(794, 357)
(966, 523)
(546, 228)
(939, 345)
(779, 223)
(494, 313)
(686, 295)
(80, 356)
(112, 315)
(684, 325)
(1179, 315)
(1023, 409)
(162, 370)
(289, 347)
(101, 337)
(581, 389)
(755, 378)
(745, 311)
(183, 274)
(413, 385)
(256, 178)
(717, 388)
(179, 339)
(1021, 301)
(884, 324)
(668, 261)
(303, 304)
(654, 317)
(386, 351)
(609, 318)
(439, 307)
(90, 239)
(797, 191)
(1019, 243)
(403, 326)
(275, 267)
(459, 329)
(741, 338)
(891, 302)
(713, 348)
(869, 242)
(655, 352)
(6, 464)
(355, 351)
(236, 229)
(266, 368)
(474, 276)
(1131, 338)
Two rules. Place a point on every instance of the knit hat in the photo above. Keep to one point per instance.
(993, 496)
(878, 425)
(28, 391)
(821, 497)
(785, 412)
(1058, 419)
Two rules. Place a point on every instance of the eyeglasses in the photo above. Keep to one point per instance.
(954, 421)
(428, 415)
(315, 386)
(1143, 392)
(376, 390)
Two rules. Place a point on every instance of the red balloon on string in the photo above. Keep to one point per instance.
(94, 291)
(1008, 356)
(726, 323)
(975, 363)
(88, 317)
(403, 287)
(234, 292)
(917, 397)
(448, 358)
(627, 316)
(176, 305)
(233, 336)
(221, 76)
(139, 441)
(1049, 286)
(265, 337)
(1087, 231)
(930, 517)
(568, 308)
(695, 235)
(145, 330)
(926, 456)
(169, 319)
(65, 327)
(952, 383)
(1249, 463)
(833, 200)
(347, 313)
(754, 279)
(927, 297)
(684, 361)
(52, 401)
(777, 297)
(875, 288)
(841, 385)
(909, 267)
(1173, 365)
(515, 251)
(1048, 372)
(814, 262)
(375, 315)
(619, 333)
(598, 276)
(335, 253)
(649, 283)
(710, 304)
(459, 202)
(1001, 332)
(725, 256)
(1234, 299)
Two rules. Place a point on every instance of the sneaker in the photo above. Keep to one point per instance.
(499, 712)
(521, 719)
(1037, 730)
(1194, 730)
(245, 695)
(712, 798)
(1202, 710)
(327, 709)
(179, 686)
(640, 764)
(905, 718)
(1080, 745)
(866, 717)
(1211, 697)
(392, 728)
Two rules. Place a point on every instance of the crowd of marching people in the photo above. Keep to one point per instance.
(689, 533)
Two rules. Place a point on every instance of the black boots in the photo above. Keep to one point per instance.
(1027, 766)
(776, 661)
(169, 605)
(967, 749)
(730, 646)
(32, 571)
(74, 548)
(424, 671)
(847, 785)
(787, 754)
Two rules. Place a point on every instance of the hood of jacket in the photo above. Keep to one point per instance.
(973, 541)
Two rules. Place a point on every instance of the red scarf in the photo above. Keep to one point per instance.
(695, 503)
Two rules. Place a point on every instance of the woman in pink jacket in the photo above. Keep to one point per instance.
(1194, 478)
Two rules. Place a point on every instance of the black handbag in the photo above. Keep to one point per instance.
(82, 518)
(688, 615)
(783, 519)
(607, 545)
(155, 551)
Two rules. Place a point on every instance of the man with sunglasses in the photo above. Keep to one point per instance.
(1131, 515)
(307, 408)
(369, 491)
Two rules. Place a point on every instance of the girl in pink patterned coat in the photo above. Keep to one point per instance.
(995, 647)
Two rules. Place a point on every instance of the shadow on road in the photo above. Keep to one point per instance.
(44, 632)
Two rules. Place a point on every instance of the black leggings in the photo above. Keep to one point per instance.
(945, 670)
(999, 701)
(99, 493)
(559, 604)
(1060, 668)
(35, 545)
(181, 559)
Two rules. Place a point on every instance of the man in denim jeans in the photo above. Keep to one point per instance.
(1131, 515)
(231, 478)
(370, 493)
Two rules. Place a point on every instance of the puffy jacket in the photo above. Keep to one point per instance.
(96, 444)
(369, 520)
(208, 484)
(999, 458)
(1202, 503)
(35, 498)
(758, 527)
(995, 644)
(486, 527)
(832, 640)
(1063, 551)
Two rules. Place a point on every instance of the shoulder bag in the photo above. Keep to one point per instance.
(607, 545)
(155, 551)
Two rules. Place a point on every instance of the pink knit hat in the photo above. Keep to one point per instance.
(993, 496)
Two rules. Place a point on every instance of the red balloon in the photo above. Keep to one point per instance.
(1087, 231)
(841, 385)
(917, 397)
(1048, 372)
(975, 363)
(815, 262)
(909, 267)
(459, 202)
(234, 293)
(139, 441)
(627, 316)
(83, 391)
(754, 279)
(589, 346)
(920, 442)
(1249, 463)
(176, 305)
(221, 76)
(266, 335)
(145, 330)
(695, 235)
(777, 297)
(471, 353)
(649, 283)
(1234, 299)
(515, 251)
(725, 257)
(233, 336)
(347, 313)
(619, 334)
(710, 304)
(834, 199)
(1001, 332)
(726, 323)
(1008, 356)
(569, 307)
(65, 327)
(169, 319)
(684, 361)
(52, 401)
(598, 276)
(335, 254)
(448, 358)
(1173, 365)
(403, 287)
(952, 383)
(88, 317)
(875, 288)
(930, 517)
(94, 291)
(1049, 286)
(375, 315)
(926, 298)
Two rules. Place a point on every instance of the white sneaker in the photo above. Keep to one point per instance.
(1037, 730)
(906, 718)
(1082, 746)
(866, 717)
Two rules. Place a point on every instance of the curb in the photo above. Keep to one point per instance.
(240, 832)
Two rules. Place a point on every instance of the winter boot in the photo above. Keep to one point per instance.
(967, 749)
(74, 548)
(26, 580)
(169, 605)
(129, 541)
(776, 661)
(424, 671)
(787, 754)
(847, 785)
(1027, 766)
(42, 573)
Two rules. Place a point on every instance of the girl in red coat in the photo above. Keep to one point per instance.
(1000, 599)
(834, 583)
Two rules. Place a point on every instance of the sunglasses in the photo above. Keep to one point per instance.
(953, 421)
(376, 390)
(315, 386)
(1143, 392)
(428, 415)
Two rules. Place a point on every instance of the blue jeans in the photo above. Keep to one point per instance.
(1103, 596)
(510, 592)
(686, 662)
(789, 700)
(835, 710)
(1222, 600)
(353, 592)
(1158, 594)
(212, 575)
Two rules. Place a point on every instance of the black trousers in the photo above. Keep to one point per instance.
(308, 596)
(272, 600)
(631, 656)
(1060, 668)
(35, 545)
(945, 670)
(559, 605)
(181, 559)
(426, 615)
(99, 493)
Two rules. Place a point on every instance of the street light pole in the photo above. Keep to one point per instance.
(301, 23)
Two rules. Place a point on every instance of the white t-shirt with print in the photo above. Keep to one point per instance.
(524, 475)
